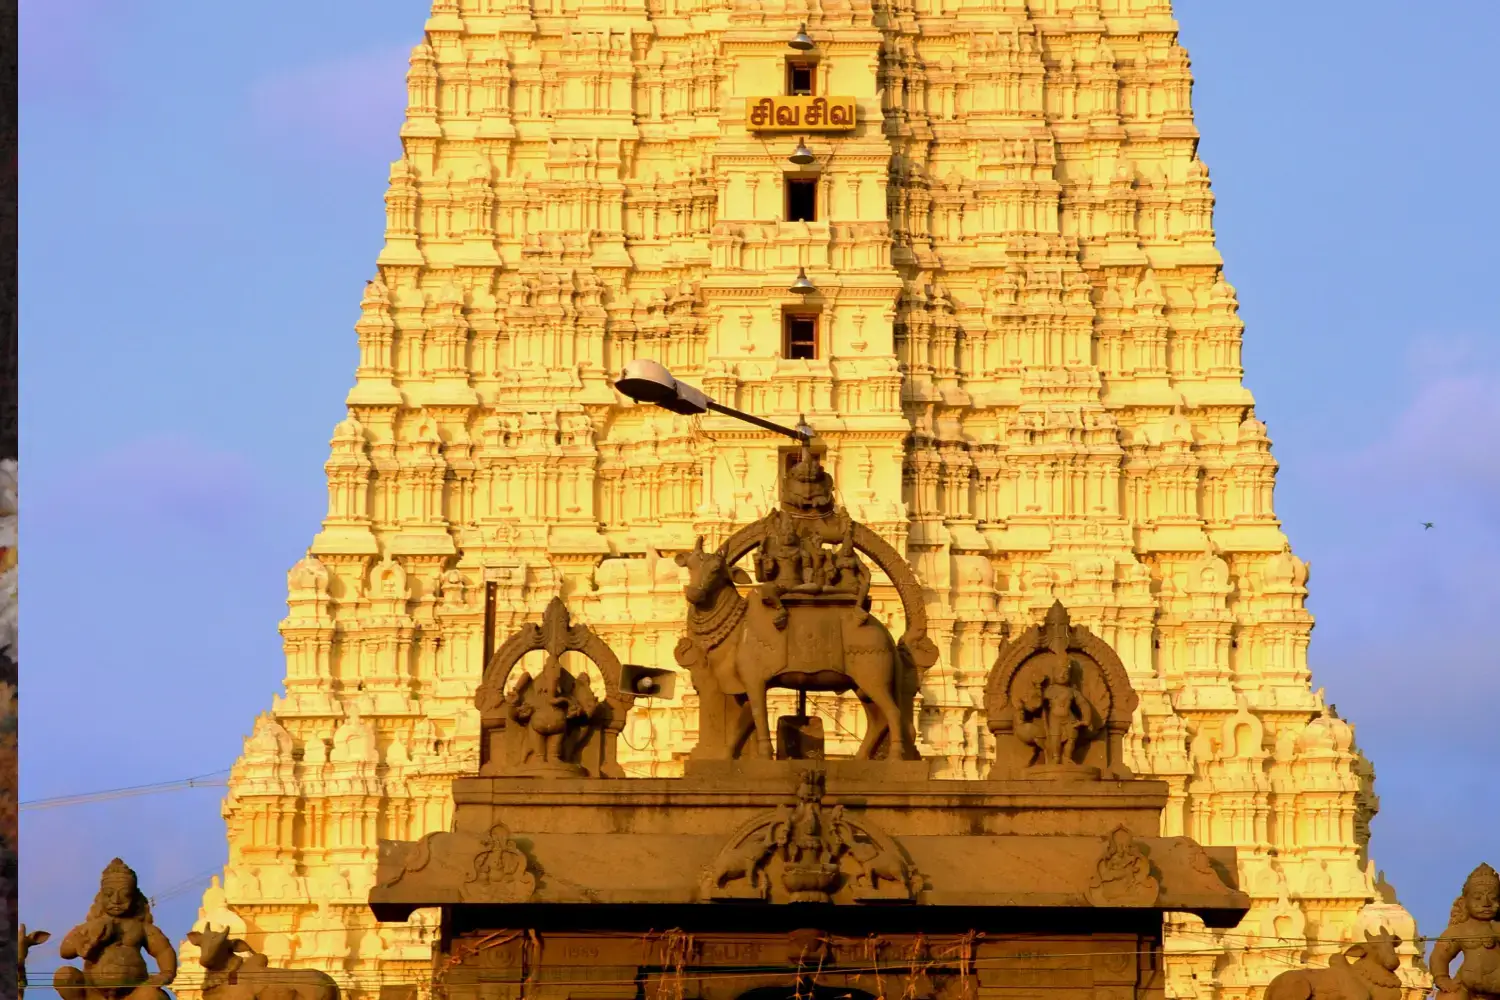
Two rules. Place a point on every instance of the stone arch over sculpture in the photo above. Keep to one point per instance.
(1058, 701)
(556, 712)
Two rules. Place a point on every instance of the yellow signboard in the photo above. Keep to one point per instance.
(800, 114)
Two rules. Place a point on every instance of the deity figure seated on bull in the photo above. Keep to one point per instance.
(808, 627)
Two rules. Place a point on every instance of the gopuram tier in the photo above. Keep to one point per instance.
(1021, 354)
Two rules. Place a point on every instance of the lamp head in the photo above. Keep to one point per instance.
(647, 381)
(801, 41)
(803, 285)
(802, 156)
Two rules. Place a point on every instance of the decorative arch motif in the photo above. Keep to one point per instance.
(1102, 709)
(590, 731)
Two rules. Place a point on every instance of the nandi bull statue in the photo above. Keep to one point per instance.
(806, 625)
(235, 971)
(25, 941)
(1364, 971)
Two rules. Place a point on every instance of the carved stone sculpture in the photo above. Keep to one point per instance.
(24, 942)
(555, 709)
(1363, 972)
(1474, 933)
(551, 725)
(1122, 875)
(491, 868)
(113, 942)
(810, 628)
(817, 851)
(1052, 714)
(235, 971)
(1059, 703)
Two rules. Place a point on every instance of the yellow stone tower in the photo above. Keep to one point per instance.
(1020, 348)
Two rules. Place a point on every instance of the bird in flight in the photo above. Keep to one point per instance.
(1426, 525)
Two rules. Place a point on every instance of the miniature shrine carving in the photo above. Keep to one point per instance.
(817, 850)
(807, 627)
(234, 970)
(1365, 971)
(551, 725)
(113, 943)
(25, 941)
(1122, 875)
(1474, 933)
(1058, 703)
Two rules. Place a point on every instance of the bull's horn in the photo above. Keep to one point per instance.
(698, 545)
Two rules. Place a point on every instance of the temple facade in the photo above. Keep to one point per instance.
(1015, 337)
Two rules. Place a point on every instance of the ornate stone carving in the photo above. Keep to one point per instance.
(1474, 933)
(501, 872)
(1059, 703)
(487, 869)
(1122, 875)
(113, 942)
(808, 628)
(232, 969)
(552, 724)
(1363, 972)
(816, 852)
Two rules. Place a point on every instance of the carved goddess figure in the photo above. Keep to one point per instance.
(119, 928)
(1474, 933)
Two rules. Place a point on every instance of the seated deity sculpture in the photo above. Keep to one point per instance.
(113, 943)
(1474, 933)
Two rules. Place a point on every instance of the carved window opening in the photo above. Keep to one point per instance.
(802, 199)
(799, 341)
(801, 79)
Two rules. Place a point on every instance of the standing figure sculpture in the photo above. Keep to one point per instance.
(113, 942)
(1474, 933)
(551, 706)
(1051, 713)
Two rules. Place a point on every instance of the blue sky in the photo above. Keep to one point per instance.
(201, 204)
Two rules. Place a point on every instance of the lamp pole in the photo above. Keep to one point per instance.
(646, 381)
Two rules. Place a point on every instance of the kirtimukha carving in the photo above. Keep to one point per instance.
(808, 628)
(1122, 876)
(113, 943)
(1059, 703)
(551, 725)
(1474, 933)
(235, 971)
(817, 850)
(25, 941)
(1363, 972)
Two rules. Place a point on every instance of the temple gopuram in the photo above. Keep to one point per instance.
(973, 245)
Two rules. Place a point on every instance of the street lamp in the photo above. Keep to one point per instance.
(646, 381)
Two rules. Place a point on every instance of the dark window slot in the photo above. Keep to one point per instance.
(801, 200)
(801, 338)
(799, 79)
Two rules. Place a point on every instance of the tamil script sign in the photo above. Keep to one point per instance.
(800, 114)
